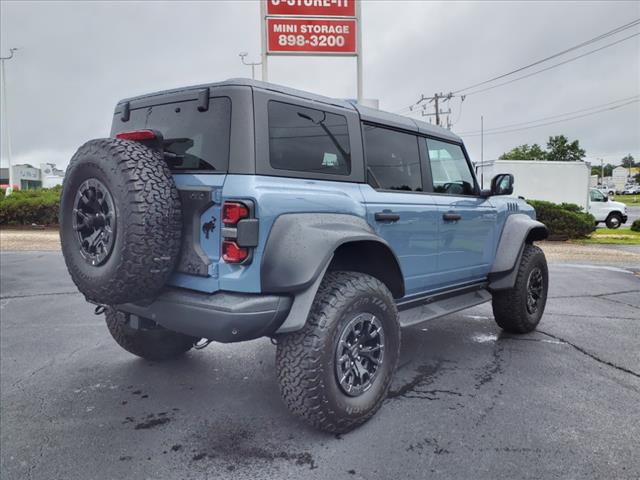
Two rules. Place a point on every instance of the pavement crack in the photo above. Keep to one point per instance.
(9, 297)
(597, 295)
(591, 355)
(620, 302)
(579, 315)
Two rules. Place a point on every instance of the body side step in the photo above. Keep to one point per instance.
(439, 308)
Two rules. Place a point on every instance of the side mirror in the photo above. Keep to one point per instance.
(502, 184)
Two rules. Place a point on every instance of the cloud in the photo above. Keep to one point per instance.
(77, 59)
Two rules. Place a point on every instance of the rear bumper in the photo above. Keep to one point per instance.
(222, 316)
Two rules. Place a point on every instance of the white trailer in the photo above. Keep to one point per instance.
(541, 180)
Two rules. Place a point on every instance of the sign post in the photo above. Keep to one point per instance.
(312, 27)
(263, 34)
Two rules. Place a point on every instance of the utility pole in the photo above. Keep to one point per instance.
(482, 151)
(601, 172)
(6, 118)
(437, 99)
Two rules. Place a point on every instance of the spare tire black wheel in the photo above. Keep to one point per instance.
(120, 221)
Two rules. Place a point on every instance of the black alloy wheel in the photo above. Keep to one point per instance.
(535, 286)
(94, 221)
(359, 354)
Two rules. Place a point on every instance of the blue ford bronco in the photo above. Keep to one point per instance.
(237, 210)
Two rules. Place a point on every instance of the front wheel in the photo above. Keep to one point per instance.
(614, 220)
(519, 309)
(336, 371)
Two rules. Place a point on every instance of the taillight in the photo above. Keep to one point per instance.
(233, 212)
(137, 135)
(232, 253)
(239, 232)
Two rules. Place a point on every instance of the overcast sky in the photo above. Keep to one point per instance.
(77, 59)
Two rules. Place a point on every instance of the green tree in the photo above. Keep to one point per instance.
(628, 162)
(608, 170)
(559, 149)
(525, 152)
(637, 177)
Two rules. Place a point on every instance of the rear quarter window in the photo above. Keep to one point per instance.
(308, 140)
(192, 140)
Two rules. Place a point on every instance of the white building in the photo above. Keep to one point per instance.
(50, 175)
(619, 177)
(27, 177)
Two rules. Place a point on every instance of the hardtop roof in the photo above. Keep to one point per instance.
(367, 114)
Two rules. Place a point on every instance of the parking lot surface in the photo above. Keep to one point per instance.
(468, 401)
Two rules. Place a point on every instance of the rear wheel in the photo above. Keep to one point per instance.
(336, 371)
(519, 309)
(151, 343)
(614, 220)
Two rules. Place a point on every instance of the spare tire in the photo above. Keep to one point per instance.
(120, 221)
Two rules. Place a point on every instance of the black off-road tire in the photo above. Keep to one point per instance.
(148, 221)
(614, 220)
(305, 360)
(156, 344)
(510, 306)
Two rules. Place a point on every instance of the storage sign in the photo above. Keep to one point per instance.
(322, 8)
(311, 35)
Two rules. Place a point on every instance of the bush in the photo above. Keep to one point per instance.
(571, 207)
(635, 226)
(564, 221)
(24, 207)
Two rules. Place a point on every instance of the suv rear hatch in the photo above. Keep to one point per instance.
(193, 130)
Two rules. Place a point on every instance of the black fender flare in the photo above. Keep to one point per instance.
(519, 229)
(300, 246)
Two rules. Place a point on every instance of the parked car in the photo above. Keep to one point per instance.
(631, 190)
(241, 209)
(613, 214)
(607, 190)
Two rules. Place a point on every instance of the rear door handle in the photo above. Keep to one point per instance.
(451, 217)
(386, 216)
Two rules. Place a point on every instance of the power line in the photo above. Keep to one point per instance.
(594, 107)
(553, 66)
(555, 55)
(422, 107)
(556, 121)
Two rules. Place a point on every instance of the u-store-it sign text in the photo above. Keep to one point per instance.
(324, 8)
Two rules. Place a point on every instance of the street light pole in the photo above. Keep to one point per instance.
(252, 64)
(5, 117)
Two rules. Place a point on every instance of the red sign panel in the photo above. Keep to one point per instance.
(324, 8)
(311, 36)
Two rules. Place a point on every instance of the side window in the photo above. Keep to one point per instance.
(392, 159)
(308, 140)
(449, 169)
(597, 196)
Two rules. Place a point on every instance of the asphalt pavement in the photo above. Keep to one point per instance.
(468, 401)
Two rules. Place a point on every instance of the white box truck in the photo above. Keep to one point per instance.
(556, 182)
